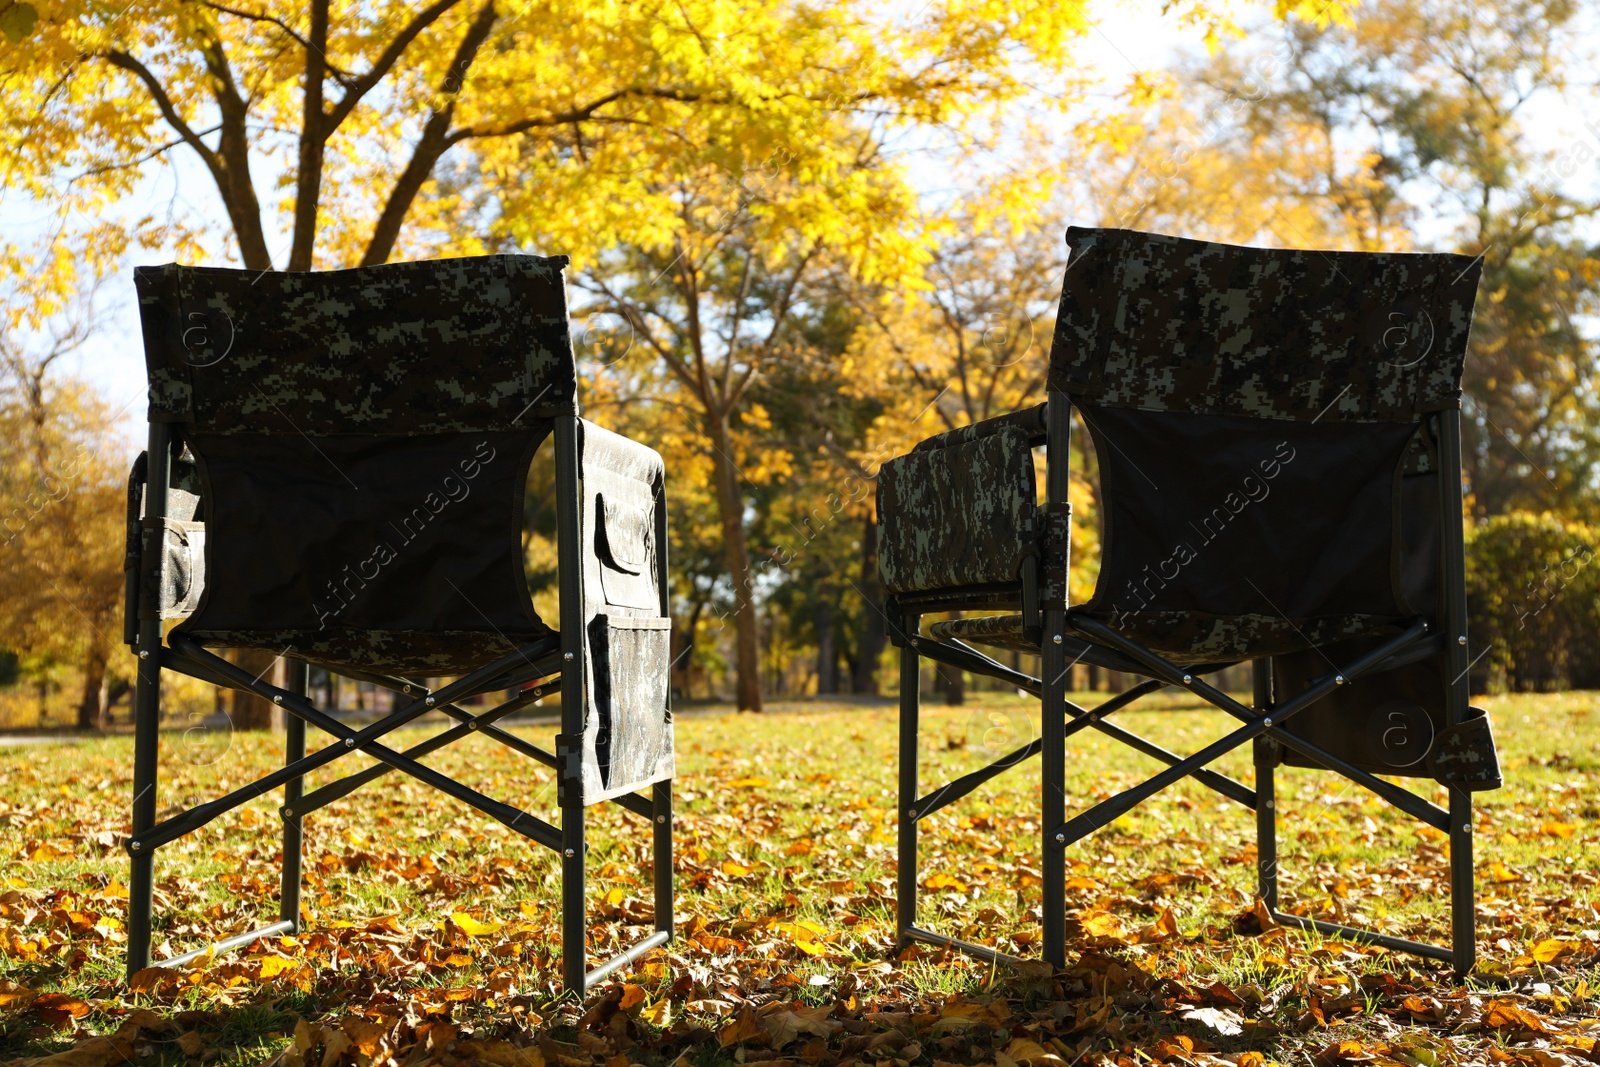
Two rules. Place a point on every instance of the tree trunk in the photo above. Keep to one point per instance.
(827, 654)
(954, 683)
(92, 707)
(730, 504)
(249, 711)
(864, 678)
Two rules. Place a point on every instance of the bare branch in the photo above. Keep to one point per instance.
(363, 84)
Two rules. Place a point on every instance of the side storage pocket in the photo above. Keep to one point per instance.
(182, 546)
(632, 664)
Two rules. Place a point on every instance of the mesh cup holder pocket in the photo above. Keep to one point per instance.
(631, 677)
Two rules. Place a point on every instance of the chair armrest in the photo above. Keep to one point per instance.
(960, 515)
(131, 553)
(1031, 421)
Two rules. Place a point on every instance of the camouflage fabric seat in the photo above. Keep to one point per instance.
(1276, 434)
(336, 476)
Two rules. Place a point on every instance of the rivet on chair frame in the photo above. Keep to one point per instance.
(349, 742)
(567, 656)
(144, 653)
(1056, 639)
(429, 701)
(277, 698)
(1187, 679)
(570, 853)
(1061, 839)
(1266, 721)
(1338, 679)
(1461, 640)
(661, 818)
(134, 846)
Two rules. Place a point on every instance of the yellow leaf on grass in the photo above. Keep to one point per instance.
(1502, 874)
(1032, 1054)
(632, 995)
(1101, 924)
(735, 869)
(272, 966)
(1557, 829)
(11, 993)
(1553, 949)
(47, 851)
(1509, 1015)
(747, 783)
(944, 881)
(743, 1027)
(473, 928)
(1165, 926)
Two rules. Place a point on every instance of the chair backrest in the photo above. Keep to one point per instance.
(362, 439)
(1254, 411)
(438, 346)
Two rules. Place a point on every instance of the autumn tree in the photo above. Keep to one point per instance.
(61, 496)
(394, 128)
(1409, 127)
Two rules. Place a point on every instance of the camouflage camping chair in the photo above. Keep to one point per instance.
(336, 474)
(1279, 449)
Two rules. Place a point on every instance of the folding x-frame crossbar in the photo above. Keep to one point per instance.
(1071, 632)
(540, 663)
(1263, 725)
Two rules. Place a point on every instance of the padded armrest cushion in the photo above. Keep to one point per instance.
(959, 515)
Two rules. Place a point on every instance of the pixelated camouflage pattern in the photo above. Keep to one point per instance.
(1464, 755)
(1422, 455)
(358, 351)
(408, 652)
(1055, 549)
(1171, 324)
(956, 516)
(997, 631)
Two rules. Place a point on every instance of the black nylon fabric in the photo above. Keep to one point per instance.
(317, 534)
(1269, 535)
(1384, 723)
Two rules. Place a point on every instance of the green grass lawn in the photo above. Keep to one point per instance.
(431, 930)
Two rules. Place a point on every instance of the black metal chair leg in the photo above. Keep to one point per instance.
(1053, 792)
(910, 685)
(1463, 906)
(1266, 758)
(294, 748)
(146, 740)
(574, 921)
(147, 700)
(661, 853)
